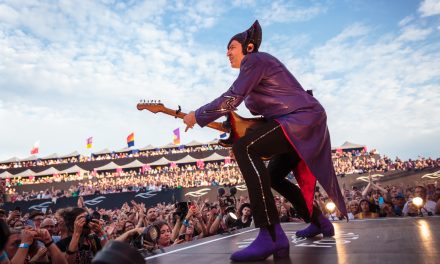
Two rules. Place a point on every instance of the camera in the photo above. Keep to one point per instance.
(181, 210)
(228, 201)
(150, 235)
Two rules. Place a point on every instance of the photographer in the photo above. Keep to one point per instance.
(193, 226)
(85, 238)
(428, 206)
(245, 216)
(24, 248)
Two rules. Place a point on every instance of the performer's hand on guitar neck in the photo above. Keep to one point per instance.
(189, 120)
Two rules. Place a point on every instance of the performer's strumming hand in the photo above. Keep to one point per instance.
(189, 120)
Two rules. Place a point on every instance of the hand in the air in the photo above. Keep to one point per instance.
(189, 120)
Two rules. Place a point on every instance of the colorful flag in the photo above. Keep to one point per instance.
(176, 139)
(89, 142)
(224, 135)
(35, 148)
(130, 140)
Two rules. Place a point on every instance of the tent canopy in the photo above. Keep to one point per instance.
(72, 154)
(6, 174)
(214, 157)
(25, 173)
(104, 151)
(133, 164)
(160, 162)
(126, 149)
(51, 156)
(149, 147)
(73, 169)
(13, 159)
(186, 159)
(47, 172)
(108, 166)
(193, 143)
(30, 158)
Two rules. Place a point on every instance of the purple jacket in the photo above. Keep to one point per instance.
(270, 90)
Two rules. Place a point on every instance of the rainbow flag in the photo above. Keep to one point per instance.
(176, 138)
(89, 142)
(130, 140)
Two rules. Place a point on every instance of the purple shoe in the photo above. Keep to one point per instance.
(263, 246)
(326, 229)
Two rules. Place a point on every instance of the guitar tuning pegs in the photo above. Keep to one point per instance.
(159, 101)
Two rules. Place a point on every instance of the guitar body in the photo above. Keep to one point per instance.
(238, 126)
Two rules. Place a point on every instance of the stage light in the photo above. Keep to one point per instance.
(330, 206)
(418, 202)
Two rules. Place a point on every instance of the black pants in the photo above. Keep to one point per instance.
(269, 141)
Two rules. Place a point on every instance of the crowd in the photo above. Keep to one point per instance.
(75, 235)
(156, 179)
(192, 175)
(108, 156)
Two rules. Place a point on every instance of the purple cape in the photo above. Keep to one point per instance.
(270, 90)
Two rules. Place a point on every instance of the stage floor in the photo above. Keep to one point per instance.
(387, 240)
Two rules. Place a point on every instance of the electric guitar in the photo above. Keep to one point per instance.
(236, 125)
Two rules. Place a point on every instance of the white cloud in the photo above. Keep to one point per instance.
(70, 72)
(378, 92)
(406, 20)
(281, 11)
(429, 8)
(412, 33)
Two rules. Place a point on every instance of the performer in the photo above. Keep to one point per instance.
(295, 136)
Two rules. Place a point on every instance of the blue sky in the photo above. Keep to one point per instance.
(74, 69)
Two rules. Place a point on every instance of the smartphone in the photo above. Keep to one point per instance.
(30, 223)
(381, 201)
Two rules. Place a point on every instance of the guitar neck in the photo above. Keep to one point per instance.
(215, 125)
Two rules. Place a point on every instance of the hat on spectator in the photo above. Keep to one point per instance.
(33, 214)
(118, 252)
(400, 195)
(248, 205)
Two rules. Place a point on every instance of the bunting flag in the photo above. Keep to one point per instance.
(176, 139)
(130, 140)
(89, 142)
(35, 148)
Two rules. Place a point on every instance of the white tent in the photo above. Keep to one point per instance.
(349, 145)
(6, 174)
(33, 157)
(193, 143)
(160, 162)
(186, 159)
(73, 169)
(126, 149)
(169, 145)
(49, 171)
(214, 157)
(72, 154)
(25, 173)
(133, 164)
(109, 166)
(104, 151)
(213, 142)
(13, 159)
(149, 147)
(51, 156)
